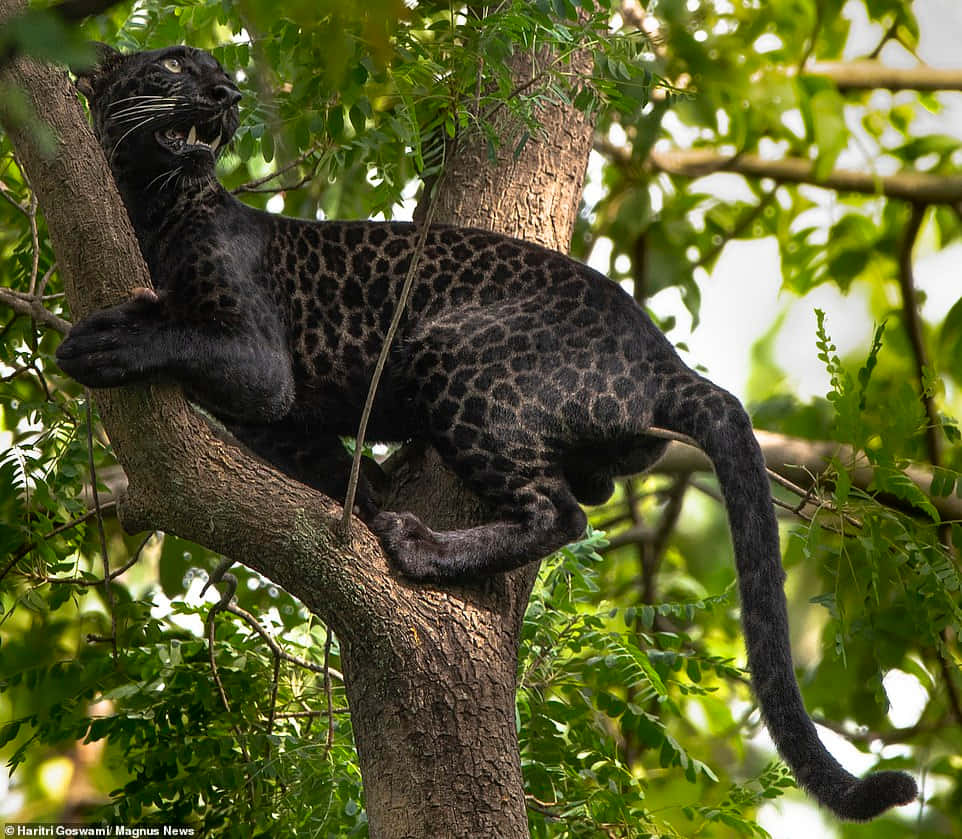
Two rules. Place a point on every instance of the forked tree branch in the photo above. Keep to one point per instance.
(31, 306)
(430, 674)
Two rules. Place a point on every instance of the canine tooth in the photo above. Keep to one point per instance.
(215, 143)
(192, 137)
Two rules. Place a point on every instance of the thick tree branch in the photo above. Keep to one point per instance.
(873, 75)
(803, 460)
(907, 186)
(430, 675)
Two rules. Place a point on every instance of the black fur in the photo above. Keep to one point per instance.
(532, 375)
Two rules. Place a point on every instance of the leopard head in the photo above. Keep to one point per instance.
(166, 111)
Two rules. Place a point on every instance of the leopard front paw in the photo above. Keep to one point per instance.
(413, 548)
(105, 349)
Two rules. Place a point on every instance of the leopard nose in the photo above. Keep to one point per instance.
(226, 95)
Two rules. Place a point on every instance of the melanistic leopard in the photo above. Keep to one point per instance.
(533, 376)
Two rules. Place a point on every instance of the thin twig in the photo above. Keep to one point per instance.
(741, 225)
(896, 735)
(310, 714)
(276, 649)
(383, 356)
(913, 327)
(108, 592)
(253, 186)
(327, 692)
(665, 434)
(213, 662)
(34, 244)
(5, 194)
(44, 280)
(109, 505)
(80, 581)
(238, 734)
(220, 575)
(807, 496)
(25, 304)
(223, 605)
(272, 708)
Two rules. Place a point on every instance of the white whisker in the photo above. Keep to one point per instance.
(144, 100)
(135, 115)
(166, 173)
(141, 106)
(171, 178)
(128, 118)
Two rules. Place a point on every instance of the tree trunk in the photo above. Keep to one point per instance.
(463, 692)
(430, 675)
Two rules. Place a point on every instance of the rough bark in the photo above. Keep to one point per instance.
(430, 675)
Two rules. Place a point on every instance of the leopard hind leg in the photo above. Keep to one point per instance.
(511, 469)
(536, 519)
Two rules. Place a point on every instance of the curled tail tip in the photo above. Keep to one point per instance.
(873, 795)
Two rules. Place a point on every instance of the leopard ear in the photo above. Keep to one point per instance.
(103, 58)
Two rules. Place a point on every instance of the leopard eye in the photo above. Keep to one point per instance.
(173, 65)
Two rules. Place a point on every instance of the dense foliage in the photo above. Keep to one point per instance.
(636, 719)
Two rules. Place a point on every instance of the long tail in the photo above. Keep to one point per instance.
(716, 420)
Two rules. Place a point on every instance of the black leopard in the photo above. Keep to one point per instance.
(533, 376)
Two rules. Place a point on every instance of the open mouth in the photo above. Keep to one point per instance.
(181, 141)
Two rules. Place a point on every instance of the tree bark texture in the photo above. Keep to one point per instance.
(474, 656)
(430, 675)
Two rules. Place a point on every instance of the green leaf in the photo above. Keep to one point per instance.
(890, 479)
(830, 133)
(843, 481)
(9, 732)
(943, 482)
